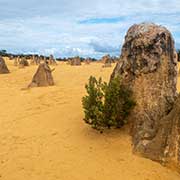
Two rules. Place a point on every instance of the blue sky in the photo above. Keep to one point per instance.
(79, 27)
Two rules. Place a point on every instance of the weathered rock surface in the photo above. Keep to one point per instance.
(165, 146)
(87, 61)
(23, 62)
(52, 60)
(43, 77)
(106, 60)
(75, 62)
(3, 67)
(16, 61)
(178, 56)
(172, 151)
(148, 65)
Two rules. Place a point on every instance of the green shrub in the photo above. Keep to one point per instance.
(118, 103)
(93, 103)
(107, 105)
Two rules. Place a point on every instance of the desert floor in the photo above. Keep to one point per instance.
(43, 136)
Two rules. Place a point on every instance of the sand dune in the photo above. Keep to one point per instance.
(43, 136)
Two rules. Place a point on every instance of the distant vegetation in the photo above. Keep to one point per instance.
(81, 58)
(107, 105)
(11, 55)
(3, 52)
(28, 56)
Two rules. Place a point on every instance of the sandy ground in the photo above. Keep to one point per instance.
(43, 136)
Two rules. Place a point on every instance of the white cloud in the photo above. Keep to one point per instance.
(52, 26)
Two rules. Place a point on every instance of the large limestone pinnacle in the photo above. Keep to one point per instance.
(148, 64)
(42, 77)
(3, 67)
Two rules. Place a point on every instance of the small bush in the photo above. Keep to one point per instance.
(107, 105)
(93, 103)
(118, 103)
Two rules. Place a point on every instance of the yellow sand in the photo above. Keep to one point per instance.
(43, 136)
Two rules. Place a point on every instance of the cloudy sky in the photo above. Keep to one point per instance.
(79, 27)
